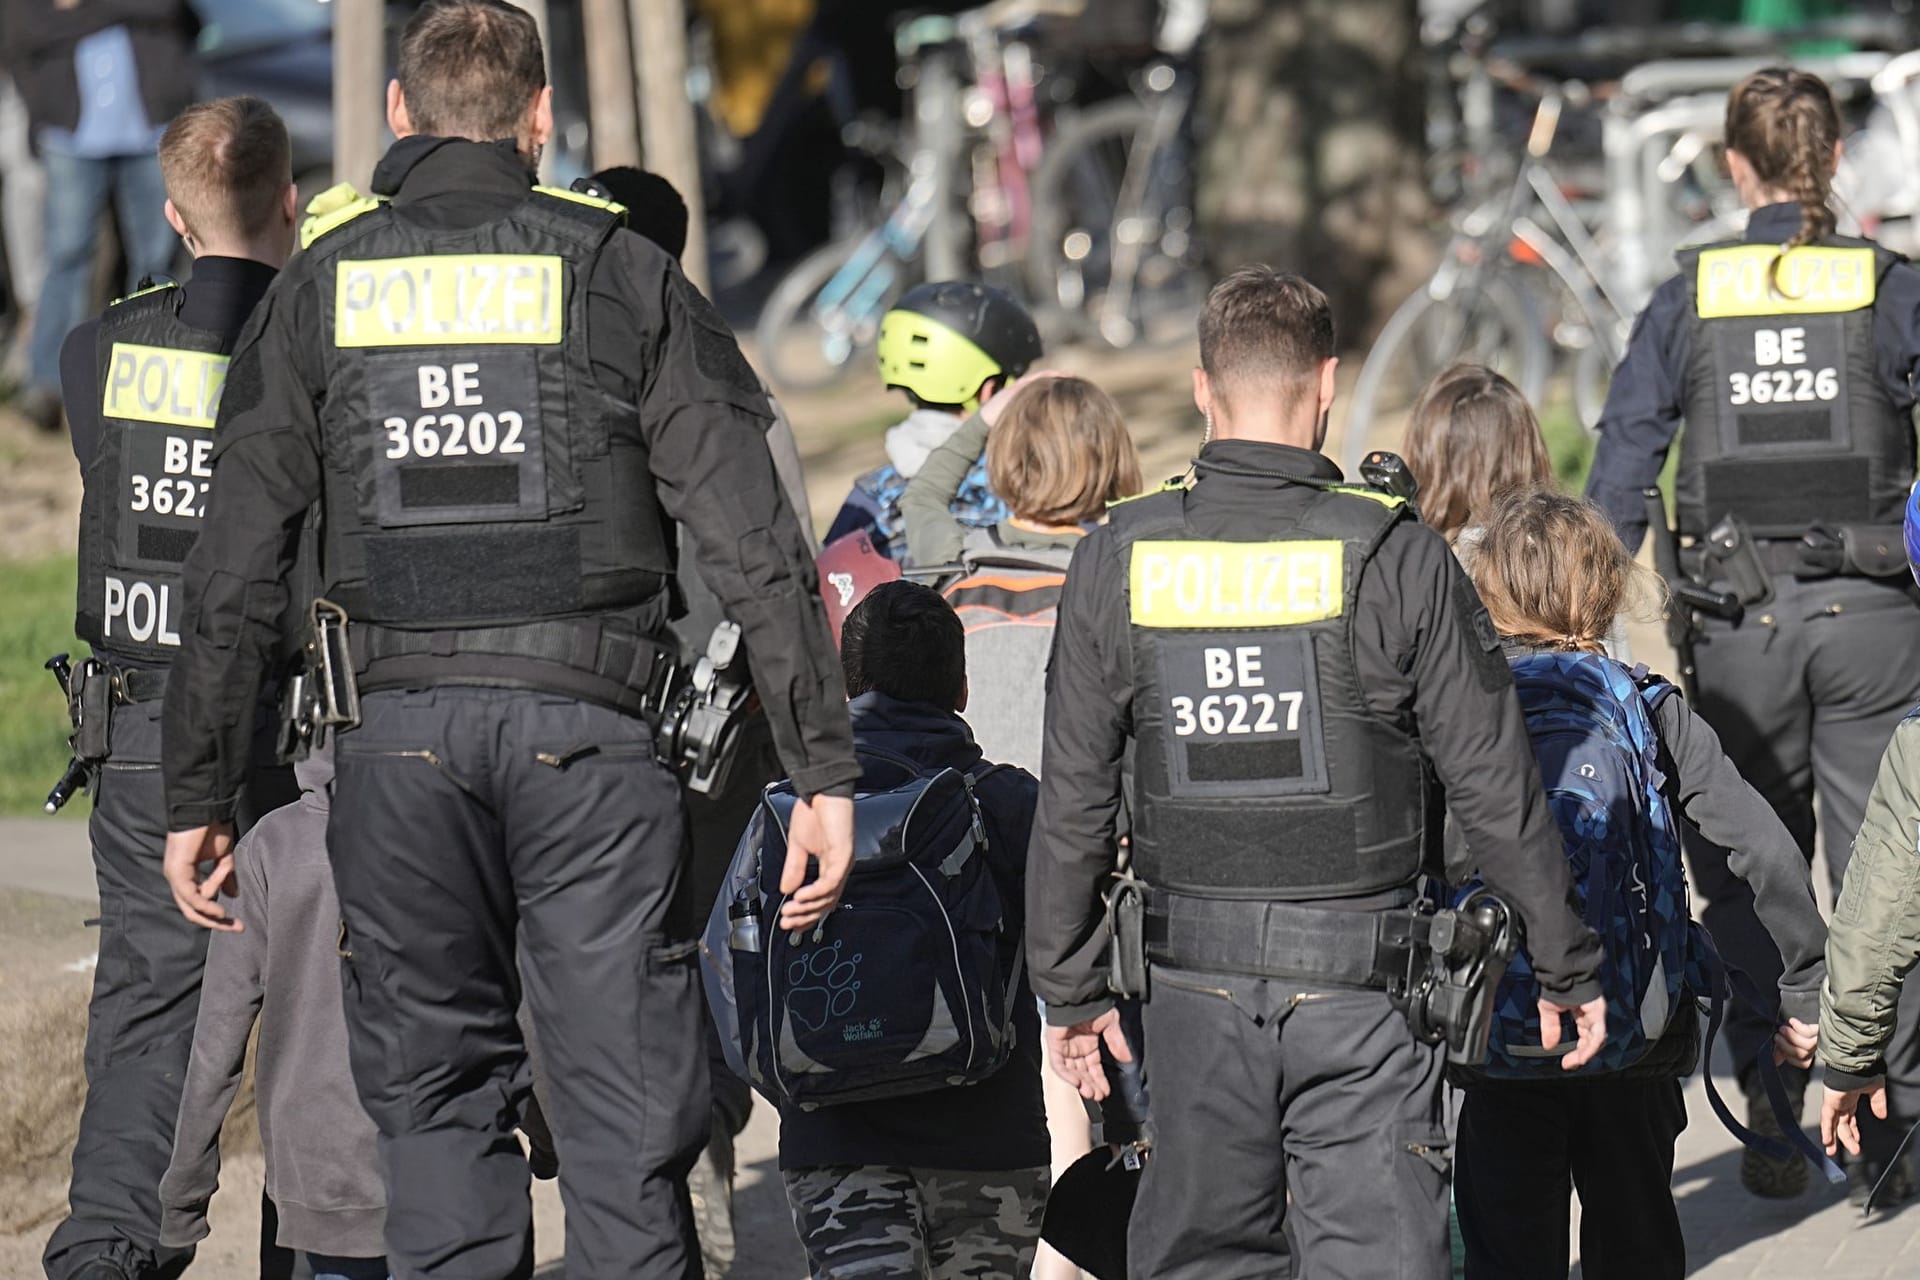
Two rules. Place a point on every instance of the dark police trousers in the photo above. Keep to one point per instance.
(1264, 1091)
(1804, 695)
(460, 817)
(146, 995)
(1525, 1146)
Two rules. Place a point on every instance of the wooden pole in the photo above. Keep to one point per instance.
(359, 89)
(615, 125)
(666, 117)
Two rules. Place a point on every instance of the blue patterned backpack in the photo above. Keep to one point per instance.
(1591, 721)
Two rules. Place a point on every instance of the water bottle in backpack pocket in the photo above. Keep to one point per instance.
(902, 988)
(1591, 721)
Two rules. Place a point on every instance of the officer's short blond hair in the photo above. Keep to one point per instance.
(227, 164)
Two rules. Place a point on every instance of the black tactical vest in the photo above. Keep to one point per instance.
(478, 477)
(1788, 422)
(1259, 770)
(146, 486)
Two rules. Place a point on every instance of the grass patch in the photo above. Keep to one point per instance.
(36, 623)
(1571, 447)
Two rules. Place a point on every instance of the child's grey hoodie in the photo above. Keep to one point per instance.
(282, 970)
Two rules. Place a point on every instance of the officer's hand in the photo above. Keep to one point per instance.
(1075, 1053)
(187, 852)
(990, 411)
(1589, 1029)
(1793, 1044)
(1840, 1116)
(822, 829)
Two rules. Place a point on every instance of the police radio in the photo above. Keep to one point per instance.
(700, 729)
(1387, 472)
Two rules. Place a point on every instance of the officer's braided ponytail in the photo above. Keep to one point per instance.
(1786, 125)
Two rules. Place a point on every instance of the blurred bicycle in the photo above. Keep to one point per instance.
(1085, 213)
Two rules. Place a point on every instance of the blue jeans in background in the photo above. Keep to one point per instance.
(326, 1267)
(78, 189)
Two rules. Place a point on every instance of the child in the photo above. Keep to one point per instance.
(949, 346)
(1553, 575)
(1058, 453)
(1472, 438)
(283, 970)
(948, 1183)
(1875, 939)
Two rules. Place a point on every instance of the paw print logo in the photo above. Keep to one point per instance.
(842, 584)
(822, 986)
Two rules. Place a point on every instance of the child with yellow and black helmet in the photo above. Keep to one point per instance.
(949, 346)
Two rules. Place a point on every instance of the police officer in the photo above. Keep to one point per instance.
(142, 385)
(1289, 663)
(1789, 357)
(499, 396)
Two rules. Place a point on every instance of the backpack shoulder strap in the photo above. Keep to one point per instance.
(910, 767)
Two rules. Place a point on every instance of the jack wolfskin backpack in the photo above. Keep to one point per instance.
(901, 988)
(1592, 725)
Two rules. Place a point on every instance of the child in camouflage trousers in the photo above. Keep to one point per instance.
(948, 1184)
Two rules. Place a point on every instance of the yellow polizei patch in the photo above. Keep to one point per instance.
(1235, 584)
(448, 300)
(1813, 281)
(163, 384)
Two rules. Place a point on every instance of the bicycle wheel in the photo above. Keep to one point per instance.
(1592, 376)
(1110, 243)
(807, 342)
(1493, 323)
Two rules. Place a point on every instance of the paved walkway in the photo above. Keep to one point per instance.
(1730, 1235)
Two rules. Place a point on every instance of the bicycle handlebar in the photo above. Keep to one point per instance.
(1700, 40)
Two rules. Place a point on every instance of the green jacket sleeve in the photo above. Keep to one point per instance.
(926, 508)
(1874, 940)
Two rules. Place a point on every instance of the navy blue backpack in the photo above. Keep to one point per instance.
(902, 988)
(1591, 722)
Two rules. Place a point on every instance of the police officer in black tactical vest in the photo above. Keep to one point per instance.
(143, 384)
(500, 396)
(1281, 670)
(1790, 358)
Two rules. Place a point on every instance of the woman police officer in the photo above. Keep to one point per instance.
(1789, 356)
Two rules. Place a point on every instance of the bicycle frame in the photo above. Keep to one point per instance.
(858, 293)
(1171, 94)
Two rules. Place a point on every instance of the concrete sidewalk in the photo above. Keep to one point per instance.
(48, 855)
(1730, 1235)
(1733, 1236)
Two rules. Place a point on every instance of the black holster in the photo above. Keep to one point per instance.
(1127, 939)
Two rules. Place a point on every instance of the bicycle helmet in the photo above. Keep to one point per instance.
(1913, 531)
(943, 341)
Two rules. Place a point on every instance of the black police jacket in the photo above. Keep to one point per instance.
(1647, 400)
(651, 346)
(1427, 660)
(160, 373)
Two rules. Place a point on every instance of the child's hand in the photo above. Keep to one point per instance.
(1840, 1119)
(1793, 1044)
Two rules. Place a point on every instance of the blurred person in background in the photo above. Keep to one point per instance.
(100, 79)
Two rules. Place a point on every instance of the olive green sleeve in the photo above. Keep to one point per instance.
(926, 508)
(1874, 940)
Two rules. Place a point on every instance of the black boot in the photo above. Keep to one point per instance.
(1763, 1175)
